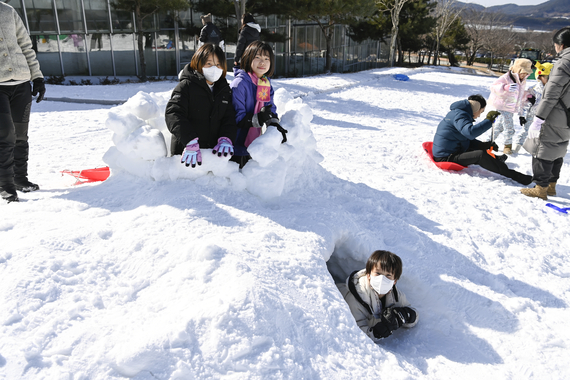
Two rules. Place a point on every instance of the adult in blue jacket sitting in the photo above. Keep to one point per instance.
(455, 139)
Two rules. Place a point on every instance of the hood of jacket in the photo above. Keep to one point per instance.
(564, 52)
(462, 105)
(254, 26)
(358, 284)
(191, 75)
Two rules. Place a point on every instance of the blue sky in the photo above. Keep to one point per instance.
(489, 3)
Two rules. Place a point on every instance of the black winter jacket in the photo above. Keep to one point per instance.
(246, 36)
(194, 111)
(210, 34)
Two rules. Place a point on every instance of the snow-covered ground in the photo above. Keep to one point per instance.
(168, 272)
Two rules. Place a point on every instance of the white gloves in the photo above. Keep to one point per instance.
(535, 127)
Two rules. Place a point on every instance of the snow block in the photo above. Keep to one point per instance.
(141, 147)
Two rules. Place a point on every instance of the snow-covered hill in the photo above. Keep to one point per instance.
(164, 273)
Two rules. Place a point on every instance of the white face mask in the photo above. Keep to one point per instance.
(381, 284)
(212, 73)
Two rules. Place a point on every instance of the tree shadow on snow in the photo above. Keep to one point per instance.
(433, 88)
(359, 107)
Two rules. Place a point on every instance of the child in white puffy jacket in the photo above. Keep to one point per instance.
(508, 96)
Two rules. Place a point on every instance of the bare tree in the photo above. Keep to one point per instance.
(500, 38)
(477, 24)
(394, 7)
(537, 40)
(240, 10)
(446, 12)
(544, 42)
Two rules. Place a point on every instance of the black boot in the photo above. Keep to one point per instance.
(8, 193)
(25, 186)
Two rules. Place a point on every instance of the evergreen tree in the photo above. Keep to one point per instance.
(456, 38)
(415, 24)
(375, 27)
(394, 8)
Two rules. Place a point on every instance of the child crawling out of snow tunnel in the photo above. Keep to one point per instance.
(377, 305)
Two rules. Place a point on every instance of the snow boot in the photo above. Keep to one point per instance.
(516, 149)
(536, 192)
(551, 189)
(508, 149)
(8, 193)
(25, 186)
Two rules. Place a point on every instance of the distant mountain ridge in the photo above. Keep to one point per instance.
(551, 15)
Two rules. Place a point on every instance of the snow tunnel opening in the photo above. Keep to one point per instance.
(345, 259)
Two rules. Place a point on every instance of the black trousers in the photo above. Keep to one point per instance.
(15, 105)
(545, 172)
(474, 156)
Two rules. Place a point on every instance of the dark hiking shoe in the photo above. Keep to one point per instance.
(25, 186)
(502, 157)
(8, 193)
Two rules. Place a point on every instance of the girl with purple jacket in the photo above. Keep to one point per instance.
(252, 96)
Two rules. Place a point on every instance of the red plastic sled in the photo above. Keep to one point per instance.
(428, 145)
(89, 175)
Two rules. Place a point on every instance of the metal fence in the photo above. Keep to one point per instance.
(91, 38)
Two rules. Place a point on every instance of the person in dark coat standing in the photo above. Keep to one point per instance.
(210, 33)
(250, 31)
(18, 67)
(200, 113)
(549, 133)
(455, 139)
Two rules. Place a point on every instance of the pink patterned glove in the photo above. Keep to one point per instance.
(192, 154)
(535, 127)
(224, 146)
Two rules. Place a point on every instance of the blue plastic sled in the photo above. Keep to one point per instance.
(401, 77)
(428, 145)
(562, 210)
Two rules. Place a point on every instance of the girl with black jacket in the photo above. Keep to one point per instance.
(250, 31)
(200, 113)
